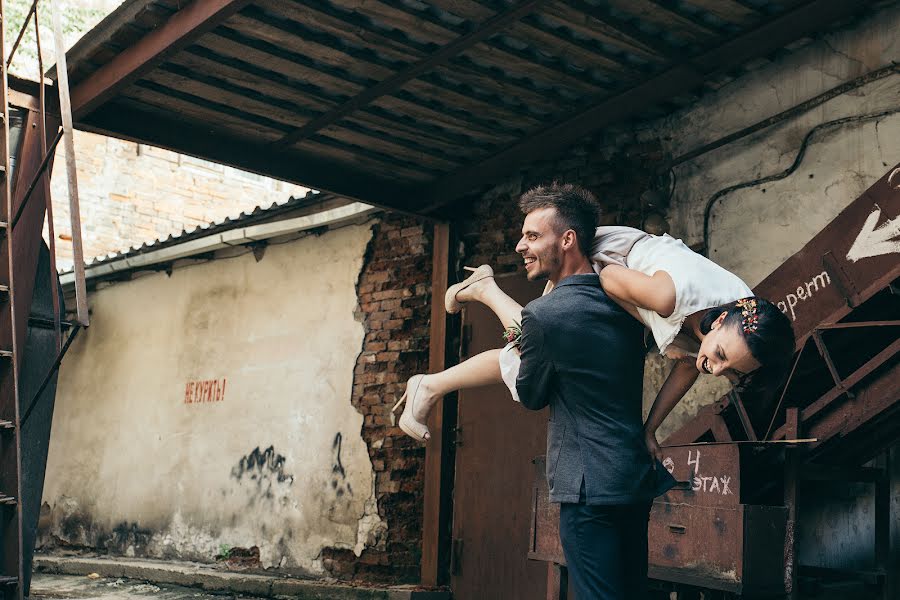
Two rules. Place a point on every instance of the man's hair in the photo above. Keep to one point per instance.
(576, 209)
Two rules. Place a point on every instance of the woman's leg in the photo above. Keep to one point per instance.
(489, 293)
(480, 370)
(424, 391)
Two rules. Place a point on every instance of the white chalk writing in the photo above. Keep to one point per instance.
(695, 462)
(706, 483)
(804, 292)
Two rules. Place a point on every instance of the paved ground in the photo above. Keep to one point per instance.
(113, 578)
(47, 586)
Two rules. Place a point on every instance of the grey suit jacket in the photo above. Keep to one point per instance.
(583, 356)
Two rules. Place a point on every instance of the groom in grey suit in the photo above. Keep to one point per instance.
(582, 355)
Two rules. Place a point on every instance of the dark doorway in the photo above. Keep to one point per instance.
(494, 474)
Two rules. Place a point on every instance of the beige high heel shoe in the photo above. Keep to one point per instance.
(408, 423)
(453, 305)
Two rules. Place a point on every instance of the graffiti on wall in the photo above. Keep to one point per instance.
(207, 390)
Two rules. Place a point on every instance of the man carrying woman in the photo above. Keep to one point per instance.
(579, 350)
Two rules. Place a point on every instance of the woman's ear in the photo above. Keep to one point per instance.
(718, 322)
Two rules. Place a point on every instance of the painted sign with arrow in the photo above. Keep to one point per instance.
(845, 264)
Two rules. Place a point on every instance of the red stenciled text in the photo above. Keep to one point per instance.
(208, 390)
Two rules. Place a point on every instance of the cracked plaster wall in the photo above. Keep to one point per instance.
(755, 229)
(274, 460)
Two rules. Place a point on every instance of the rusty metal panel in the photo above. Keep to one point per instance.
(731, 548)
(697, 545)
(707, 475)
(843, 265)
(544, 541)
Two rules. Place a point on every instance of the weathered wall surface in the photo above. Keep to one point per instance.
(133, 193)
(212, 408)
(814, 164)
(819, 161)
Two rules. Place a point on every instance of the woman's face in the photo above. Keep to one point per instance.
(724, 352)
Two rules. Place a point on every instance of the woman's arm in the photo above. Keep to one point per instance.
(679, 381)
(656, 293)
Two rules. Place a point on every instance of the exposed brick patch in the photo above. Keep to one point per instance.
(133, 193)
(617, 178)
(394, 306)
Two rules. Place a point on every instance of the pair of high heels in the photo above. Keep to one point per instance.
(408, 423)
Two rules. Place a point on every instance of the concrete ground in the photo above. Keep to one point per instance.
(47, 586)
(114, 578)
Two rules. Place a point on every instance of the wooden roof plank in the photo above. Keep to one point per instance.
(128, 66)
(405, 17)
(598, 21)
(402, 48)
(806, 18)
(301, 68)
(363, 65)
(358, 161)
(134, 120)
(255, 107)
(401, 45)
(284, 89)
(213, 121)
(665, 19)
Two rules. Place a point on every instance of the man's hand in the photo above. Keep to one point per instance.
(652, 445)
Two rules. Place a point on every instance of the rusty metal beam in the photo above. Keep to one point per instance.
(437, 507)
(767, 37)
(131, 64)
(397, 80)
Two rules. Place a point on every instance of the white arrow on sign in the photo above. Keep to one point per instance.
(873, 241)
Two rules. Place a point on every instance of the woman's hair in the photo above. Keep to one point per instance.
(576, 209)
(768, 334)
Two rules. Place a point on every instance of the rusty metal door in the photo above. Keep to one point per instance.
(498, 439)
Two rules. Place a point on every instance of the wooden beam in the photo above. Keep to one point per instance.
(767, 37)
(179, 31)
(149, 127)
(396, 81)
(436, 509)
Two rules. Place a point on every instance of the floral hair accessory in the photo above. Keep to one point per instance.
(749, 315)
(512, 334)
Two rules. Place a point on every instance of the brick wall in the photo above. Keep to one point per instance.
(395, 295)
(133, 193)
(394, 306)
(616, 169)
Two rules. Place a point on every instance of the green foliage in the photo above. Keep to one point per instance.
(76, 21)
(224, 552)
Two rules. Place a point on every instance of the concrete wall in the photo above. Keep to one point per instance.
(148, 458)
(847, 144)
(840, 147)
(851, 141)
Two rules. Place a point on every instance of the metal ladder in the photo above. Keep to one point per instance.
(11, 573)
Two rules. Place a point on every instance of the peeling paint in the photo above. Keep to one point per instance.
(280, 465)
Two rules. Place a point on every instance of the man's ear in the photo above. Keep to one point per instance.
(569, 239)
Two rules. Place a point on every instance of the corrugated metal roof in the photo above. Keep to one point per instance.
(257, 215)
(406, 103)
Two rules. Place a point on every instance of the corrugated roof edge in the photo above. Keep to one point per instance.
(100, 33)
(257, 215)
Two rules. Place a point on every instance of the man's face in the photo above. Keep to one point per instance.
(540, 245)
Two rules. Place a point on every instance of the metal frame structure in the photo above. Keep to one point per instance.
(839, 408)
(680, 71)
(21, 221)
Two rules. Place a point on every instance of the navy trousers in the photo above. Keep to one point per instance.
(606, 550)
